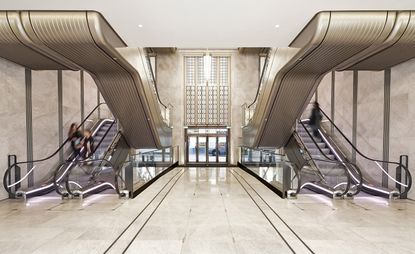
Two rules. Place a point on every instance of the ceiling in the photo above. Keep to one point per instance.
(208, 23)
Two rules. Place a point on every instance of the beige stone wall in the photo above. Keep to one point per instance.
(344, 102)
(171, 90)
(402, 135)
(71, 90)
(369, 135)
(12, 115)
(244, 82)
(45, 120)
(90, 95)
(324, 94)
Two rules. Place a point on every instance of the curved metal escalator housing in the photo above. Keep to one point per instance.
(84, 40)
(331, 41)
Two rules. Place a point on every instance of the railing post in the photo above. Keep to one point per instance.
(403, 161)
(286, 179)
(14, 173)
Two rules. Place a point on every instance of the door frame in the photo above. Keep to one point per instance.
(207, 135)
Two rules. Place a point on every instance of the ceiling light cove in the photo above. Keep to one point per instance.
(140, 26)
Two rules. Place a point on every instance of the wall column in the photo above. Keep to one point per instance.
(29, 124)
(386, 124)
(354, 123)
(60, 113)
(82, 78)
(333, 95)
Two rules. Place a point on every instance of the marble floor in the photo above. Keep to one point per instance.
(207, 210)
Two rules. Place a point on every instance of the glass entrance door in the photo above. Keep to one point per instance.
(191, 150)
(207, 146)
(222, 149)
(201, 147)
(212, 149)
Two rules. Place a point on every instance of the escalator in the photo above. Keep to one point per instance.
(365, 173)
(316, 168)
(97, 174)
(328, 163)
(84, 40)
(105, 171)
(41, 178)
(331, 41)
(322, 46)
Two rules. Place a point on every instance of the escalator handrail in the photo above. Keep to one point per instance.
(408, 174)
(7, 171)
(359, 187)
(154, 81)
(75, 162)
(111, 145)
(56, 181)
(260, 80)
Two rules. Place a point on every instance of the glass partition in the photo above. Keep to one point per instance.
(36, 176)
(272, 167)
(145, 166)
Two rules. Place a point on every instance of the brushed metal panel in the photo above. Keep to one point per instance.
(329, 40)
(278, 57)
(83, 40)
(13, 49)
(398, 48)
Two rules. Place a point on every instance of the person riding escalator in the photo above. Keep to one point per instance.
(76, 138)
(315, 119)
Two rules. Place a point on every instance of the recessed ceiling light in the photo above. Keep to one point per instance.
(140, 25)
(277, 26)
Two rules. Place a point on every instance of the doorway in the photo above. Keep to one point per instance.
(207, 146)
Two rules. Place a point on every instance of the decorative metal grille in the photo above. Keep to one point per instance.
(207, 102)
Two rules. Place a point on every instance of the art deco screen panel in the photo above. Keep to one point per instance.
(207, 96)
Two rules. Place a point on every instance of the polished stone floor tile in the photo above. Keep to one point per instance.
(207, 211)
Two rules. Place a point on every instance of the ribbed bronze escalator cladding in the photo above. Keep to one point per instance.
(68, 33)
(14, 50)
(348, 33)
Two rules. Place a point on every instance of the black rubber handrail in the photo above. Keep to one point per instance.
(260, 80)
(408, 174)
(76, 162)
(7, 171)
(67, 172)
(335, 162)
(154, 81)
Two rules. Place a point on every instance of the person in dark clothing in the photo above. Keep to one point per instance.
(88, 144)
(315, 119)
(75, 136)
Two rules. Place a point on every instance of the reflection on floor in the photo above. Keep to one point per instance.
(207, 210)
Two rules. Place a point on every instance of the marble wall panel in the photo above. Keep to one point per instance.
(245, 81)
(71, 99)
(45, 121)
(369, 135)
(344, 102)
(90, 87)
(402, 123)
(12, 115)
(324, 94)
(171, 90)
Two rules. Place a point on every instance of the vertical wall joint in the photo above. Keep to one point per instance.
(386, 124)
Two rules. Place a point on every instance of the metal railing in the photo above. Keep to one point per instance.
(348, 153)
(248, 110)
(39, 173)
